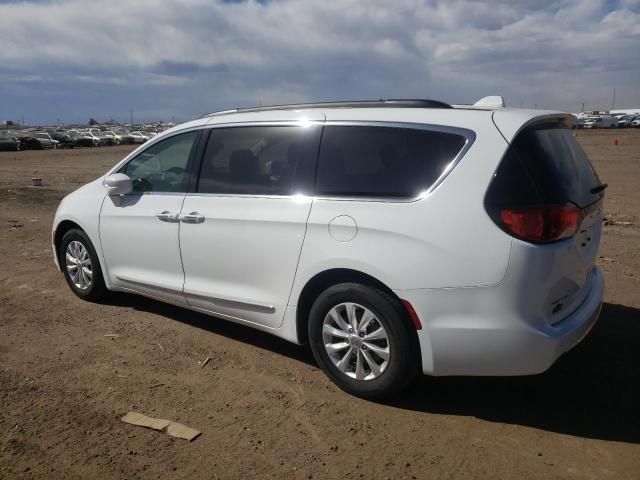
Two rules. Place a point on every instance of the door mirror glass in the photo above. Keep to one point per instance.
(118, 184)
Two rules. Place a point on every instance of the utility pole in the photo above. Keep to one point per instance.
(582, 109)
(613, 100)
(22, 119)
(131, 112)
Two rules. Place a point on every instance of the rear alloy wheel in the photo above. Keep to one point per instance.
(362, 338)
(81, 267)
(355, 341)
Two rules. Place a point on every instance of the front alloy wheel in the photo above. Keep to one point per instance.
(79, 265)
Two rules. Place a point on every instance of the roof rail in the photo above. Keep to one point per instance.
(382, 103)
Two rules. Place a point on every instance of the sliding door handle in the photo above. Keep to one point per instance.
(193, 217)
(167, 216)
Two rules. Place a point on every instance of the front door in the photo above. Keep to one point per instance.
(242, 229)
(139, 232)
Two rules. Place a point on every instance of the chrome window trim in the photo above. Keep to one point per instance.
(301, 123)
(468, 134)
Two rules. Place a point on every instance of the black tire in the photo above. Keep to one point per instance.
(403, 363)
(96, 290)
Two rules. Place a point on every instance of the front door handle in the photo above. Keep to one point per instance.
(167, 216)
(193, 217)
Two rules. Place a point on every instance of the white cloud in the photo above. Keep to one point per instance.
(211, 54)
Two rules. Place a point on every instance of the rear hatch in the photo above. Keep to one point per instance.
(546, 194)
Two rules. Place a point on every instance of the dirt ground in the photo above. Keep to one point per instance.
(264, 409)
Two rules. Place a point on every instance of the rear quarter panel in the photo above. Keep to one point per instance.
(443, 240)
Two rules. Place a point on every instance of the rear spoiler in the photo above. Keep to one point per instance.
(510, 122)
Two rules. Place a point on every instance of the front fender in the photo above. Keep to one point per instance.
(82, 207)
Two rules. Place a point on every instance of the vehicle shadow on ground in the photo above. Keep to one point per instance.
(225, 328)
(593, 391)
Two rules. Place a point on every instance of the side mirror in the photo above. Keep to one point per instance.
(118, 184)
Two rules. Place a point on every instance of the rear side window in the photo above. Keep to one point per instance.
(269, 160)
(544, 165)
(371, 161)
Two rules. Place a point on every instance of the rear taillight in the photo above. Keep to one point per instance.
(540, 224)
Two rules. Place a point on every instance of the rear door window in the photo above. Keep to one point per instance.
(260, 160)
(377, 161)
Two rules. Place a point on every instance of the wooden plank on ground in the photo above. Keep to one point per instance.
(172, 428)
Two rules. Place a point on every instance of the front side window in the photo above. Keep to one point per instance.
(163, 167)
(376, 161)
(257, 160)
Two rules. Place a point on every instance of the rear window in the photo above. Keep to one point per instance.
(544, 165)
(371, 161)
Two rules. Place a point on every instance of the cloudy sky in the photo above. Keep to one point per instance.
(75, 59)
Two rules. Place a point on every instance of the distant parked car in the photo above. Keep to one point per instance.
(635, 123)
(87, 140)
(37, 141)
(601, 122)
(9, 140)
(113, 135)
(624, 121)
(107, 138)
(68, 141)
(126, 138)
(138, 137)
(58, 135)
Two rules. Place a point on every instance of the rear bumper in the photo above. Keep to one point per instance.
(470, 331)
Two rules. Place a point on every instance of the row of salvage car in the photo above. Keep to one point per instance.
(17, 140)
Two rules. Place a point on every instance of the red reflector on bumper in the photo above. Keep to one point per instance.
(412, 314)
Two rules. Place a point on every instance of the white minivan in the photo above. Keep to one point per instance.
(394, 237)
